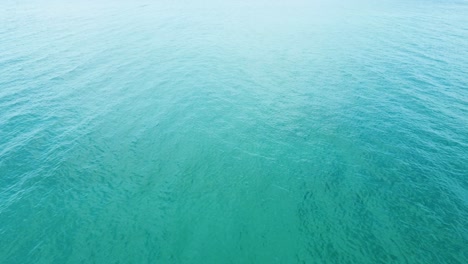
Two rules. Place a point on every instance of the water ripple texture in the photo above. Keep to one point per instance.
(233, 131)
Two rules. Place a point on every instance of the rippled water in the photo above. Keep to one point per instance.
(233, 131)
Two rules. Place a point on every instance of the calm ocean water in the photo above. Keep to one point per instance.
(233, 131)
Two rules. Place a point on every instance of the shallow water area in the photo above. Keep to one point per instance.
(233, 131)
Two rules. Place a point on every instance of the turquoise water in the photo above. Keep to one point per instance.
(233, 131)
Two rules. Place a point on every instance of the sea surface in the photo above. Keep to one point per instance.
(233, 131)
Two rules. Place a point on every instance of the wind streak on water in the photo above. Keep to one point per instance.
(233, 132)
